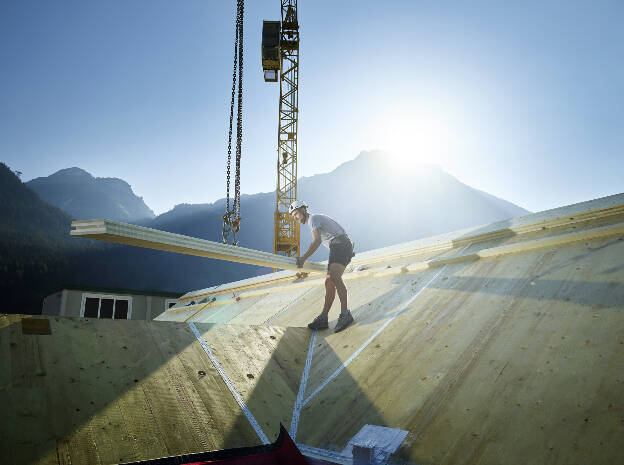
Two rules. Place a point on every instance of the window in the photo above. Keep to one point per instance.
(106, 306)
(170, 303)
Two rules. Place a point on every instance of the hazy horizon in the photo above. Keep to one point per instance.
(251, 193)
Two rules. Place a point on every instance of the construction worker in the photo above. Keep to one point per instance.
(333, 236)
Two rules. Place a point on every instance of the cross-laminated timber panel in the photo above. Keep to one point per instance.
(122, 233)
(513, 360)
(510, 360)
(503, 351)
(115, 391)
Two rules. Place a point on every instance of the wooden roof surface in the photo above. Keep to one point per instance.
(501, 347)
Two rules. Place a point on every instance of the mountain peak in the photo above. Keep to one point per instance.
(84, 196)
(73, 172)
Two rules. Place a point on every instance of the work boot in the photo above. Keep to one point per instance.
(320, 322)
(344, 320)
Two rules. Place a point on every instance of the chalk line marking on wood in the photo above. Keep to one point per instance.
(370, 339)
(376, 333)
(287, 307)
(294, 424)
(255, 425)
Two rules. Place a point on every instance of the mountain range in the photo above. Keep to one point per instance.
(379, 204)
(76, 192)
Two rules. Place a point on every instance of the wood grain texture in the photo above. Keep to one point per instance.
(504, 361)
(264, 364)
(507, 352)
(110, 391)
(496, 361)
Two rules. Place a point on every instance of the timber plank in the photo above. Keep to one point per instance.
(112, 391)
(223, 314)
(140, 236)
(269, 306)
(374, 301)
(6, 413)
(503, 349)
(265, 364)
(506, 359)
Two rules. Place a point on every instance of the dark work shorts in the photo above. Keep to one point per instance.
(340, 251)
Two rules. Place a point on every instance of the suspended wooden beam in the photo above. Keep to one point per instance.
(123, 233)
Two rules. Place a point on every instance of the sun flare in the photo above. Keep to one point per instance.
(412, 138)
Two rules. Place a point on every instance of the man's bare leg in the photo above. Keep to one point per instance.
(333, 284)
(330, 294)
(320, 322)
(335, 273)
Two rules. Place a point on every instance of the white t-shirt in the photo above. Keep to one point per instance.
(327, 227)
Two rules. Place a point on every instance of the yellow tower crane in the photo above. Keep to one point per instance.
(280, 61)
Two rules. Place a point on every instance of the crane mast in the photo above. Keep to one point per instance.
(280, 56)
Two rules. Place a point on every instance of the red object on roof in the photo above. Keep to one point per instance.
(282, 452)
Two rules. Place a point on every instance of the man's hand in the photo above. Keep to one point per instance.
(316, 241)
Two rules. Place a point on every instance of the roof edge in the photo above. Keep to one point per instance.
(592, 209)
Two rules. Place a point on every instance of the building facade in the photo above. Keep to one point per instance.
(116, 304)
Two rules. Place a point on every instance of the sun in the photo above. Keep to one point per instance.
(411, 137)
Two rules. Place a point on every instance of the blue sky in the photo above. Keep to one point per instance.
(524, 100)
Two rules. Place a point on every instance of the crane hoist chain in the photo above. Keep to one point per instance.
(231, 218)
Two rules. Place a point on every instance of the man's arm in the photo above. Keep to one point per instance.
(316, 241)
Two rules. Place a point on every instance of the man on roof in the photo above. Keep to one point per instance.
(333, 236)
